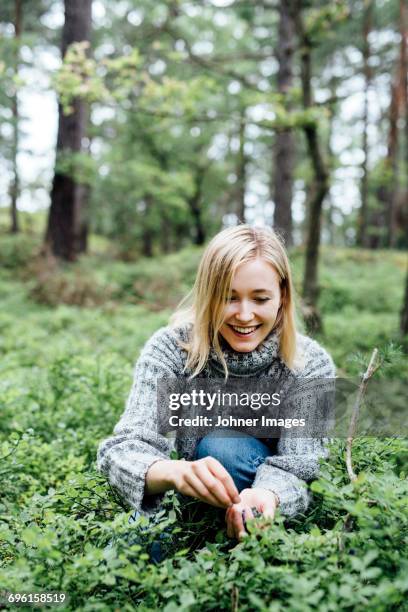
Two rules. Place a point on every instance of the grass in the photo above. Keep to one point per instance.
(66, 369)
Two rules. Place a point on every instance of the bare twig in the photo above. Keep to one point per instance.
(347, 526)
(234, 599)
(372, 368)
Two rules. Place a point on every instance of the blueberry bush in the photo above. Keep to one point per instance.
(66, 367)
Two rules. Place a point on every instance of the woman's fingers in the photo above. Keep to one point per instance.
(268, 504)
(204, 496)
(202, 492)
(249, 514)
(268, 512)
(236, 516)
(238, 524)
(219, 471)
(235, 523)
(212, 483)
(207, 480)
(230, 530)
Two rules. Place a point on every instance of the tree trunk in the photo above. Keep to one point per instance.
(147, 243)
(404, 32)
(285, 142)
(166, 226)
(15, 185)
(199, 237)
(66, 234)
(391, 191)
(320, 185)
(402, 206)
(363, 212)
(328, 216)
(319, 190)
(404, 311)
(195, 207)
(241, 170)
(388, 194)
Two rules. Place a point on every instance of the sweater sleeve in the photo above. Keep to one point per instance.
(136, 444)
(297, 459)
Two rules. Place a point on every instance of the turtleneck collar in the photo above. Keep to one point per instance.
(247, 364)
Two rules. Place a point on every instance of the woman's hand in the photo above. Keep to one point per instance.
(263, 500)
(205, 479)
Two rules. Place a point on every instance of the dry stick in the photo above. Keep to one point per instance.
(234, 599)
(356, 409)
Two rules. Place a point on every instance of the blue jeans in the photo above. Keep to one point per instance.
(239, 453)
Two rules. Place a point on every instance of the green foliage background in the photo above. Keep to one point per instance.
(65, 372)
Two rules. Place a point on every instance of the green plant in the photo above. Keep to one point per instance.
(65, 373)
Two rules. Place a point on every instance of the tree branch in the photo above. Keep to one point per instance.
(207, 63)
(372, 368)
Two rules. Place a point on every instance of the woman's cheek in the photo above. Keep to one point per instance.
(271, 313)
(228, 312)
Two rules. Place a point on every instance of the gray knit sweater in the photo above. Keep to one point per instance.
(136, 444)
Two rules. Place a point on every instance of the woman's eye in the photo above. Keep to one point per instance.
(261, 300)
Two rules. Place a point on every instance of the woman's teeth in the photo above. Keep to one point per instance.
(244, 330)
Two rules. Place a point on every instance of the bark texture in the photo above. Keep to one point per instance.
(320, 183)
(386, 217)
(404, 310)
(402, 204)
(195, 205)
(241, 170)
(363, 212)
(67, 229)
(15, 185)
(285, 143)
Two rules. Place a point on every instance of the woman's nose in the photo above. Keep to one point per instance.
(244, 313)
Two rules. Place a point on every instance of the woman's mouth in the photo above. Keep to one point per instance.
(244, 332)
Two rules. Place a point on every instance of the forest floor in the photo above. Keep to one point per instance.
(69, 337)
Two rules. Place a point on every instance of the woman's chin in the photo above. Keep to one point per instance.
(244, 349)
(241, 345)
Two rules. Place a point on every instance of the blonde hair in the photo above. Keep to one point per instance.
(206, 301)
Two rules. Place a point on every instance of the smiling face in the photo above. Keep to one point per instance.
(252, 309)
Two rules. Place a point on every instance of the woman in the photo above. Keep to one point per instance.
(240, 323)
